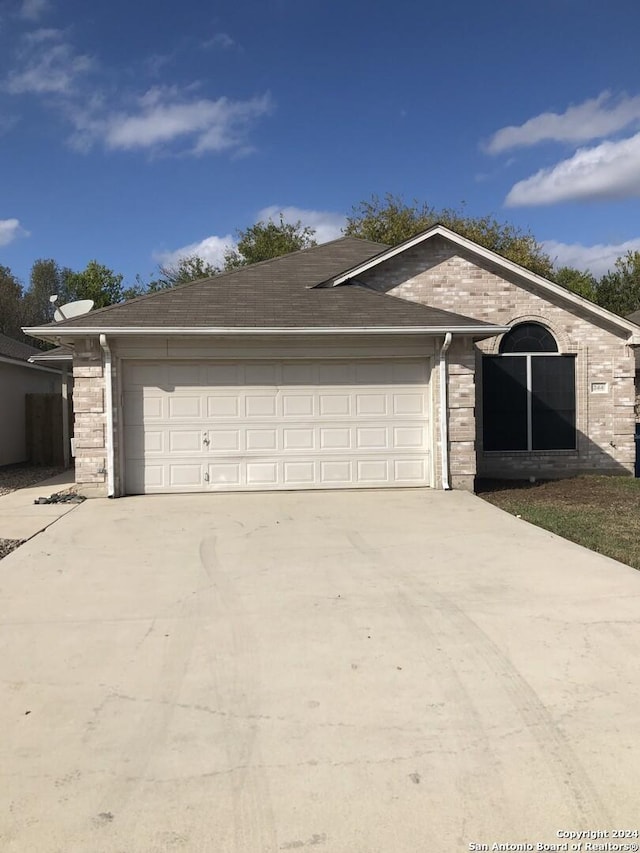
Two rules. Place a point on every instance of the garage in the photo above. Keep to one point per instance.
(276, 424)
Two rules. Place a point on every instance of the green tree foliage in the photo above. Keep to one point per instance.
(266, 240)
(391, 221)
(47, 279)
(582, 283)
(619, 290)
(190, 268)
(96, 282)
(10, 305)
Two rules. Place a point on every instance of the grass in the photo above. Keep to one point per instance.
(601, 513)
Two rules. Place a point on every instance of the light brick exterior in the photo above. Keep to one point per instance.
(440, 274)
(90, 419)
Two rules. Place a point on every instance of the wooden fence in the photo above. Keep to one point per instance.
(44, 428)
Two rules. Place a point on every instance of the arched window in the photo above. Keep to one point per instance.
(528, 393)
(528, 337)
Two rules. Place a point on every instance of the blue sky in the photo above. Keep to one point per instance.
(133, 132)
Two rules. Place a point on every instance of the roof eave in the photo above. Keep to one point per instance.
(46, 333)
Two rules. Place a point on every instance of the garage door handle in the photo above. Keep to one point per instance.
(205, 439)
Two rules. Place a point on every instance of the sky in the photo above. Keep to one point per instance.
(134, 133)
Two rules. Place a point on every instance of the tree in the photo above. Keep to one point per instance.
(95, 282)
(46, 279)
(189, 268)
(582, 283)
(10, 305)
(619, 290)
(391, 221)
(266, 240)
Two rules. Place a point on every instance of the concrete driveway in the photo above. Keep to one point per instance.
(355, 672)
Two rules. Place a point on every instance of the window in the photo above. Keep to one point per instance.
(528, 393)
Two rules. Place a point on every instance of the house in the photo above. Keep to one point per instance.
(351, 364)
(19, 377)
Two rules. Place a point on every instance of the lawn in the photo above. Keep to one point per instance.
(601, 513)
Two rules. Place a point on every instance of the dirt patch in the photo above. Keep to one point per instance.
(14, 477)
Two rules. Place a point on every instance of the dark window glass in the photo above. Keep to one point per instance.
(504, 403)
(528, 337)
(553, 402)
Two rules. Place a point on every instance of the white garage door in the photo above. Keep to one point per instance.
(275, 425)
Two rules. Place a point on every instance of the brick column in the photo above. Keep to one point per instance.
(89, 416)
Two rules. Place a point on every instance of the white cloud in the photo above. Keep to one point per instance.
(597, 259)
(10, 230)
(222, 40)
(596, 118)
(610, 170)
(211, 249)
(47, 65)
(31, 10)
(166, 115)
(327, 225)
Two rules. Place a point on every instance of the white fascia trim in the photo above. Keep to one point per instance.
(487, 254)
(18, 362)
(54, 359)
(359, 330)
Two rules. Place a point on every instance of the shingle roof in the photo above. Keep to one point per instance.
(57, 355)
(10, 348)
(278, 293)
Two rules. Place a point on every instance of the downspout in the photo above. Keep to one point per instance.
(444, 413)
(108, 402)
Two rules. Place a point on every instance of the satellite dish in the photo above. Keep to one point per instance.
(72, 309)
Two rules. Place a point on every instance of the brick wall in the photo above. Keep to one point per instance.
(90, 419)
(440, 274)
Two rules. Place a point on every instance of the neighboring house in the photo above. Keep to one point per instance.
(18, 377)
(62, 359)
(351, 365)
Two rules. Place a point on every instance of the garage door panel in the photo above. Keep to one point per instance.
(221, 426)
(371, 404)
(372, 438)
(299, 473)
(335, 438)
(185, 441)
(187, 474)
(410, 470)
(184, 407)
(260, 405)
(262, 439)
(414, 437)
(297, 405)
(335, 404)
(225, 474)
(223, 406)
(262, 473)
(302, 438)
(372, 471)
(336, 471)
(409, 403)
(224, 439)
